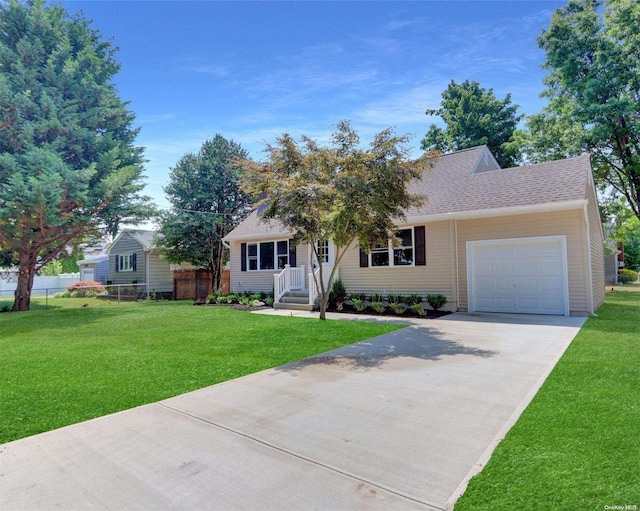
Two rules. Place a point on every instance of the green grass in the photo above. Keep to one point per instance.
(67, 363)
(577, 445)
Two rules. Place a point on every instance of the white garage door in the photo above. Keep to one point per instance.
(523, 275)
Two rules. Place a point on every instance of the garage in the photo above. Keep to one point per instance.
(522, 275)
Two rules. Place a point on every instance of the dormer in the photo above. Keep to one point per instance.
(486, 162)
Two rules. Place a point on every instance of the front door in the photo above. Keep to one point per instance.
(326, 253)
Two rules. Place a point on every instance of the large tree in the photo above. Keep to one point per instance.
(206, 203)
(341, 193)
(68, 163)
(593, 59)
(474, 116)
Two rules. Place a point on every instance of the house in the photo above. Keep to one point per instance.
(95, 265)
(133, 259)
(523, 240)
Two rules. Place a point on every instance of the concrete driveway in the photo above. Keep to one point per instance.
(400, 421)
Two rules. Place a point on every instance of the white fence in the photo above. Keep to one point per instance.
(9, 282)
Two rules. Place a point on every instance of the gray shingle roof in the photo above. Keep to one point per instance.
(464, 182)
(451, 188)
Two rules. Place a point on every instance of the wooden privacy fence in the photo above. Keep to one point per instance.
(196, 284)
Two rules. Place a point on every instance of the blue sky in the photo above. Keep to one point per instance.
(251, 71)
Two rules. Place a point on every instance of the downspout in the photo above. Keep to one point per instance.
(455, 229)
(589, 273)
(146, 271)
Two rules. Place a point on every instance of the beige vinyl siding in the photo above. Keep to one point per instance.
(597, 248)
(568, 223)
(127, 244)
(438, 276)
(261, 280)
(160, 275)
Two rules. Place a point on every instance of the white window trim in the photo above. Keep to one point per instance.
(121, 262)
(275, 255)
(391, 247)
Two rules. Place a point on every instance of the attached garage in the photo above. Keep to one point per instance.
(521, 275)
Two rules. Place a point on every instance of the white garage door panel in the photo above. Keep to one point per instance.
(524, 275)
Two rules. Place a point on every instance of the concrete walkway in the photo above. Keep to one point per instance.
(396, 422)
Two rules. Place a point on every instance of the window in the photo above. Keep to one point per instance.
(125, 262)
(264, 256)
(395, 254)
(323, 251)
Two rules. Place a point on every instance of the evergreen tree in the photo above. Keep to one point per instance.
(68, 163)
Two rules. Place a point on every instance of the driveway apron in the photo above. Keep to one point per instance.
(400, 421)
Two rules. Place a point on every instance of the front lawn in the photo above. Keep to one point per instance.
(577, 445)
(69, 363)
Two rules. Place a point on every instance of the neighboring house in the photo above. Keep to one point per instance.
(523, 240)
(95, 265)
(133, 259)
(613, 257)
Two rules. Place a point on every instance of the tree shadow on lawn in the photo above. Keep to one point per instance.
(424, 343)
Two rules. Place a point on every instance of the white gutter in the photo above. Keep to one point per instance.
(493, 212)
(261, 236)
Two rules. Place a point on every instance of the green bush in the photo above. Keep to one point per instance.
(357, 296)
(358, 304)
(338, 292)
(436, 301)
(378, 307)
(392, 298)
(414, 299)
(626, 276)
(375, 297)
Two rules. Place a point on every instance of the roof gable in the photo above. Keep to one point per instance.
(144, 238)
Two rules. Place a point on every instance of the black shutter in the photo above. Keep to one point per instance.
(421, 248)
(134, 262)
(364, 259)
(243, 257)
(117, 263)
(292, 254)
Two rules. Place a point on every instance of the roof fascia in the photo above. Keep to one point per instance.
(261, 236)
(488, 213)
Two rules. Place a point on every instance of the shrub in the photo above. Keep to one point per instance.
(5, 308)
(84, 288)
(378, 307)
(436, 301)
(231, 298)
(245, 301)
(375, 297)
(414, 299)
(626, 276)
(398, 308)
(357, 296)
(418, 309)
(338, 291)
(358, 304)
(394, 299)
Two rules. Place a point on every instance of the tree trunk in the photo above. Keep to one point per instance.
(26, 273)
(323, 307)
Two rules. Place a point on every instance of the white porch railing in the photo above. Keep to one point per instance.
(314, 292)
(289, 279)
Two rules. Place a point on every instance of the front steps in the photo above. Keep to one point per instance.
(294, 300)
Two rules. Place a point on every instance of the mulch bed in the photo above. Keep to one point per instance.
(431, 314)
